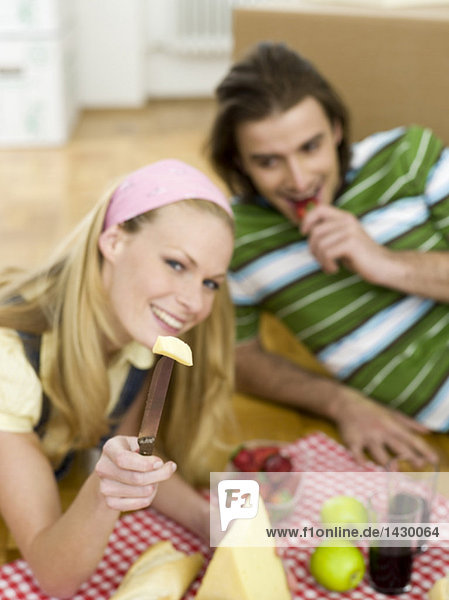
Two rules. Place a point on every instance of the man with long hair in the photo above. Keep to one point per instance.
(346, 245)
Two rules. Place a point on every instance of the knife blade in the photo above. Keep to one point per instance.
(154, 404)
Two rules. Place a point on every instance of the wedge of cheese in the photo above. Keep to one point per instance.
(245, 573)
(173, 348)
(160, 573)
(440, 590)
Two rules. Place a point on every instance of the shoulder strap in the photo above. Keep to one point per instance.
(32, 346)
(131, 388)
(133, 383)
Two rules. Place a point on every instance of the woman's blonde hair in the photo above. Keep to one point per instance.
(67, 296)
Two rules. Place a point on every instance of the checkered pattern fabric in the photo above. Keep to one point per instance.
(134, 532)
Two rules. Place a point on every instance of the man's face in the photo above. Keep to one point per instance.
(292, 156)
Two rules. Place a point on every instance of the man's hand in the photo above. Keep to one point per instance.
(366, 426)
(336, 236)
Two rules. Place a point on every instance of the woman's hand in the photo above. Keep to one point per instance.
(128, 480)
(368, 426)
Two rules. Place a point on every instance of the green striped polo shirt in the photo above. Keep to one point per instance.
(391, 346)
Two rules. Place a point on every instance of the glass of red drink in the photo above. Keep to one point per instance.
(391, 560)
(405, 478)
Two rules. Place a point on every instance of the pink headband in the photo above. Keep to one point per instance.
(159, 184)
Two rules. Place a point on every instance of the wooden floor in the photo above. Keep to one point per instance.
(44, 191)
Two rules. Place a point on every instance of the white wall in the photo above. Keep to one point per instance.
(38, 92)
(128, 51)
(131, 50)
(174, 68)
(111, 43)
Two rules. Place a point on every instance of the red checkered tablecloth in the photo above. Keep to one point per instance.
(134, 532)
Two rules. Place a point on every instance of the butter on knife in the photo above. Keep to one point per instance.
(172, 349)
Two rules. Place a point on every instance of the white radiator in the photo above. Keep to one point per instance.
(204, 27)
(189, 44)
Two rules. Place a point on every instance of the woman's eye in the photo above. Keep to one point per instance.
(174, 264)
(211, 284)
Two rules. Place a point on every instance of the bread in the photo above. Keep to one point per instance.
(160, 573)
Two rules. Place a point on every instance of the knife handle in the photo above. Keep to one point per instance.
(146, 444)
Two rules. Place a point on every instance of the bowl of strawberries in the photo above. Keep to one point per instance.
(270, 464)
(261, 455)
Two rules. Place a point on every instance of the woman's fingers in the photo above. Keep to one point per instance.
(128, 480)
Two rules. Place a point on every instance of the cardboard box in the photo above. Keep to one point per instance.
(37, 96)
(34, 16)
(390, 66)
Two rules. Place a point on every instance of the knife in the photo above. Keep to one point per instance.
(154, 405)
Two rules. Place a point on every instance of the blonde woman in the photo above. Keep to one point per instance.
(75, 337)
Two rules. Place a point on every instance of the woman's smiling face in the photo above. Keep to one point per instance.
(163, 279)
(292, 157)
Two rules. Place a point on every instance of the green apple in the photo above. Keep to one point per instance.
(343, 509)
(338, 568)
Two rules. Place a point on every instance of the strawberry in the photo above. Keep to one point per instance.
(251, 460)
(278, 466)
(243, 460)
(236, 451)
(304, 206)
(261, 454)
(277, 463)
